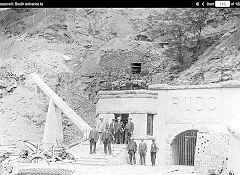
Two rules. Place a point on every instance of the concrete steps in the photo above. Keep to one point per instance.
(89, 160)
(81, 153)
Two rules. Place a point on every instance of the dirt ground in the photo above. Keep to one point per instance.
(125, 169)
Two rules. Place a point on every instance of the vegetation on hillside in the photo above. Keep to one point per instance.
(185, 32)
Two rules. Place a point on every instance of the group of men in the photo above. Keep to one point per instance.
(106, 138)
(120, 133)
(142, 150)
(116, 133)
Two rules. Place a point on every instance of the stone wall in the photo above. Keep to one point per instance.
(211, 152)
(132, 101)
(233, 155)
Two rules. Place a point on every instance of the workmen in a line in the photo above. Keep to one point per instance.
(93, 138)
(142, 150)
(119, 130)
(107, 139)
(153, 152)
(129, 128)
(112, 129)
(100, 128)
(132, 149)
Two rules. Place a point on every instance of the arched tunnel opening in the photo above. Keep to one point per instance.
(183, 148)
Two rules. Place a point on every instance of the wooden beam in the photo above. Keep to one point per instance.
(77, 120)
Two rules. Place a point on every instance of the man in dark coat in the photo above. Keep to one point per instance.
(154, 150)
(119, 131)
(129, 128)
(142, 150)
(107, 139)
(132, 149)
(112, 129)
(93, 138)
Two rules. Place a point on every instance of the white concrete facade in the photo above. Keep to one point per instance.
(234, 145)
(176, 109)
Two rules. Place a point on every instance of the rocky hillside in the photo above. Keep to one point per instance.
(220, 61)
(74, 51)
(61, 45)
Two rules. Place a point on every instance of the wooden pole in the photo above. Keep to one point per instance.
(77, 120)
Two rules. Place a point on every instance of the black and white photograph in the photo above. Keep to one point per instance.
(110, 90)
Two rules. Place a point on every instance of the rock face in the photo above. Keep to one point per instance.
(219, 62)
(55, 44)
(22, 117)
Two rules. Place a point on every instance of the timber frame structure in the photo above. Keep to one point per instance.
(55, 99)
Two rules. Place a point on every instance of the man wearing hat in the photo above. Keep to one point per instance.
(107, 139)
(128, 130)
(119, 130)
(154, 150)
(142, 150)
(112, 129)
(132, 149)
(100, 127)
(106, 124)
(93, 138)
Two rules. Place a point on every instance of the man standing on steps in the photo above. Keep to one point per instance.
(100, 128)
(129, 128)
(132, 149)
(119, 131)
(112, 129)
(142, 150)
(106, 124)
(93, 138)
(154, 150)
(107, 139)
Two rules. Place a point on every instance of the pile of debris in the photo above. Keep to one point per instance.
(33, 153)
(8, 81)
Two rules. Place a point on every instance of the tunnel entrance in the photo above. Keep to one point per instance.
(183, 148)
